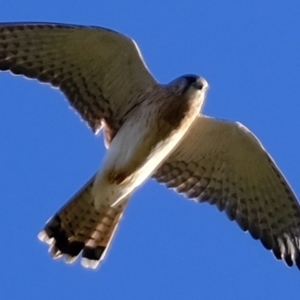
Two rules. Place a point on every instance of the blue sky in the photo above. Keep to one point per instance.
(167, 247)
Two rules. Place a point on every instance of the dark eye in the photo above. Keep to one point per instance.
(200, 83)
(196, 82)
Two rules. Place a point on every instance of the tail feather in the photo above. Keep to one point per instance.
(79, 228)
(100, 240)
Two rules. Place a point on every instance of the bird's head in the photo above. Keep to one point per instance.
(191, 87)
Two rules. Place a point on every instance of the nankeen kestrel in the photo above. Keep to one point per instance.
(150, 130)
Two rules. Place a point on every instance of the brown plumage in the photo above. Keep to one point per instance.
(150, 130)
(225, 165)
(78, 227)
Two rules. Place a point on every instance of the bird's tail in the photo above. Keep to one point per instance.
(79, 228)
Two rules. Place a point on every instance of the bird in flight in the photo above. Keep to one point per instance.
(150, 130)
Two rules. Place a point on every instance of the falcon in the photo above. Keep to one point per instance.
(150, 130)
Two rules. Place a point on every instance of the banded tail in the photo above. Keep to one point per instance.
(78, 228)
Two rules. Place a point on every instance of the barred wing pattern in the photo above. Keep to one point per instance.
(223, 163)
(100, 71)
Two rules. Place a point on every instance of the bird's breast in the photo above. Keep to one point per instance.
(144, 141)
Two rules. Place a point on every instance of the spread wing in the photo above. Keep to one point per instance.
(100, 71)
(223, 163)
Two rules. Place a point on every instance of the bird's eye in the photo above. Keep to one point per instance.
(200, 84)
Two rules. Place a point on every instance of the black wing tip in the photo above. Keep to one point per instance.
(290, 261)
(297, 261)
(293, 260)
(288, 254)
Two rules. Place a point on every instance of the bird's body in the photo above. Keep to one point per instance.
(146, 138)
(150, 130)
